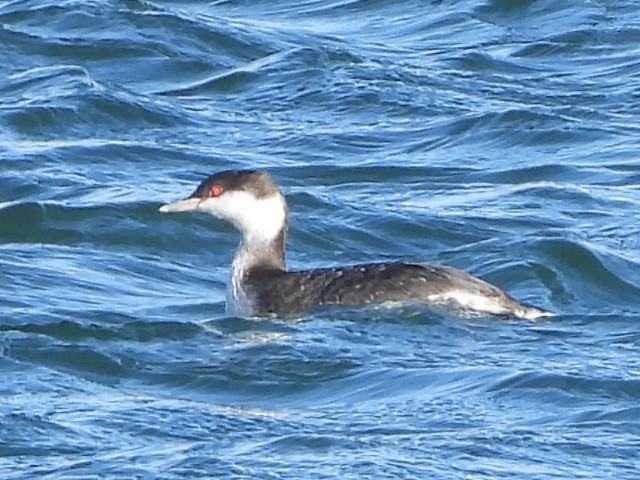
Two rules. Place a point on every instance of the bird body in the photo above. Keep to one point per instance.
(260, 283)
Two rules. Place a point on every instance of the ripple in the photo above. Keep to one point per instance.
(236, 78)
(566, 388)
(137, 331)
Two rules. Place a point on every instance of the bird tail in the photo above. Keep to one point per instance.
(530, 312)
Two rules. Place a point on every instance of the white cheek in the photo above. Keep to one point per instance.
(255, 217)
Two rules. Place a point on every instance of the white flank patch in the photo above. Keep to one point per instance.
(470, 301)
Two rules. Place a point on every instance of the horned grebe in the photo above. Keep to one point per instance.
(260, 283)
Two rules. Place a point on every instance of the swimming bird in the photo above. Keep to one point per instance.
(260, 283)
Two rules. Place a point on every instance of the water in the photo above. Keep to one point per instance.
(500, 137)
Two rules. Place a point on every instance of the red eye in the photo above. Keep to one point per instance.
(216, 190)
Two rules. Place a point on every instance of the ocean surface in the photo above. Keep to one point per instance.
(500, 137)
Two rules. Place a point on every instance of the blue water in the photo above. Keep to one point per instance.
(500, 137)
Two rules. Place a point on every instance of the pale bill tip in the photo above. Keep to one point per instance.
(186, 205)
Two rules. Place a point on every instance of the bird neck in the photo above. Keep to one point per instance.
(256, 251)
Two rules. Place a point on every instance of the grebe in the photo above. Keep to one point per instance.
(260, 283)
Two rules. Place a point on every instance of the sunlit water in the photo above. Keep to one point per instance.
(499, 137)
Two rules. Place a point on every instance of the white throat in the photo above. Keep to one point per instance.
(262, 223)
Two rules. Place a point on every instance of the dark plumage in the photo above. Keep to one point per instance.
(258, 183)
(279, 291)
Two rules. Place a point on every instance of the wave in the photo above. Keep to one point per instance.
(565, 388)
(65, 98)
